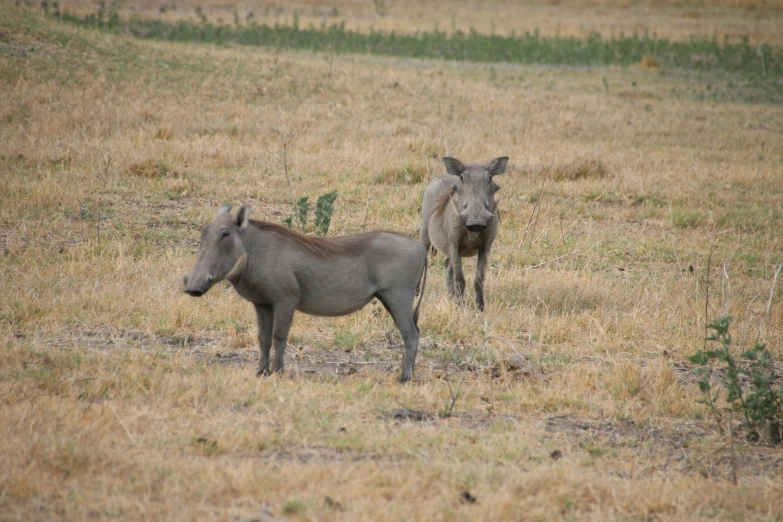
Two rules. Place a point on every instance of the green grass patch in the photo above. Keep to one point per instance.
(687, 218)
(762, 63)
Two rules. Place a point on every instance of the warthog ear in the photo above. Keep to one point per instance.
(223, 209)
(243, 215)
(497, 166)
(454, 166)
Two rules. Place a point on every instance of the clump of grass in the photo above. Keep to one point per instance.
(408, 174)
(687, 218)
(582, 168)
(149, 168)
(294, 506)
(649, 62)
(165, 132)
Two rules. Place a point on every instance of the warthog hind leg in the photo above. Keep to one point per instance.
(399, 304)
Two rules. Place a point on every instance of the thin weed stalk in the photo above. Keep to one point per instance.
(489, 367)
(286, 141)
(533, 221)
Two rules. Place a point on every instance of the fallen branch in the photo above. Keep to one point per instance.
(124, 427)
(495, 337)
(455, 395)
(772, 290)
(410, 414)
(550, 261)
(760, 318)
(554, 417)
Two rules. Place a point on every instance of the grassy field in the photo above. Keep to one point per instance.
(759, 67)
(678, 20)
(650, 186)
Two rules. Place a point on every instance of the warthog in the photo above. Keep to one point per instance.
(280, 271)
(459, 218)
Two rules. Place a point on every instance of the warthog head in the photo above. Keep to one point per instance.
(220, 253)
(475, 200)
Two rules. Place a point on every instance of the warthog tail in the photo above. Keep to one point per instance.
(421, 290)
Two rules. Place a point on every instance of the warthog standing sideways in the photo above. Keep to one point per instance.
(279, 271)
(459, 218)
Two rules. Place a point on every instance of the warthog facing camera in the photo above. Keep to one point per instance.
(459, 218)
(280, 271)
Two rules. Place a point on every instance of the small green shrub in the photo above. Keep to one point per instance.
(294, 506)
(749, 381)
(324, 208)
(302, 207)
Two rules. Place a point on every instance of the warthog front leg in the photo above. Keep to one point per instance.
(481, 268)
(264, 317)
(455, 274)
(449, 277)
(284, 316)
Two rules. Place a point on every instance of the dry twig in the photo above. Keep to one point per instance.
(124, 427)
(550, 261)
(733, 453)
(533, 221)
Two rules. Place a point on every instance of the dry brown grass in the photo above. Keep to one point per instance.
(580, 168)
(650, 63)
(149, 168)
(124, 398)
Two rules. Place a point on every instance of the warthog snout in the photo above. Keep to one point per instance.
(476, 218)
(195, 289)
(220, 252)
(194, 293)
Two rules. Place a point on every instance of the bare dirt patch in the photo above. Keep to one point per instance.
(679, 448)
(314, 455)
(103, 339)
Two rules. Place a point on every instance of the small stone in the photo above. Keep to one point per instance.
(466, 498)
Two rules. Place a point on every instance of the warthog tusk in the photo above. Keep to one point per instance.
(240, 264)
(454, 202)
